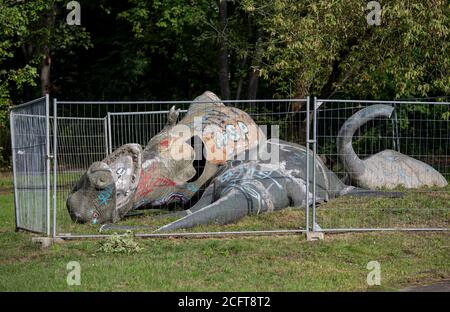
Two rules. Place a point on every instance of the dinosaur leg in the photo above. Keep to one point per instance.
(206, 199)
(297, 193)
(232, 206)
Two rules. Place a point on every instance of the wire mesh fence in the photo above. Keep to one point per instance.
(137, 127)
(420, 130)
(86, 132)
(31, 165)
(78, 134)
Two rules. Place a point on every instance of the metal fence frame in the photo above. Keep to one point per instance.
(44, 123)
(109, 148)
(316, 106)
(311, 143)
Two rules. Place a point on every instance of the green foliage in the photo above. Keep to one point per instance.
(168, 50)
(30, 30)
(13, 26)
(27, 30)
(172, 33)
(328, 48)
(120, 244)
(446, 115)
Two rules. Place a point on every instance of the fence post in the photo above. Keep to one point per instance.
(109, 133)
(105, 127)
(307, 165)
(316, 233)
(314, 162)
(13, 150)
(55, 157)
(47, 142)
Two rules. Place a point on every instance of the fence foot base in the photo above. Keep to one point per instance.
(46, 242)
(314, 236)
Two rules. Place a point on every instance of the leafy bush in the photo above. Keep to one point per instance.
(120, 244)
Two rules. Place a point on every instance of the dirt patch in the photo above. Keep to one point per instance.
(5, 174)
(6, 190)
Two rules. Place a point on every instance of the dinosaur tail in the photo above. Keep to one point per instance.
(229, 208)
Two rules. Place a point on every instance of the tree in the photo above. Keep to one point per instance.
(327, 48)
(31, 32)
(223, 51)
(40, 30)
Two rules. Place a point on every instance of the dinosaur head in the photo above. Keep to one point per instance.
(105, 192)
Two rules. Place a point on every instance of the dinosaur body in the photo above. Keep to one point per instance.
(387, 169)
(247, 187)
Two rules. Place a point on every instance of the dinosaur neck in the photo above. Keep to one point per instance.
(353, 165)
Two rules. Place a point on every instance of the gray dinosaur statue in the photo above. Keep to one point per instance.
(162, 173)
(236, 182)
(244, 173)
(387, 169)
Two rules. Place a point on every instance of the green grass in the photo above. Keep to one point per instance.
(425, 208)
(280, 263)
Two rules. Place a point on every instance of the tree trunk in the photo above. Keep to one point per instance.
(223, 52)
(27, 49)
(45, 71)
(241, 78)
(255, 70)
(46, 63)
(297, 118)
(253, 83)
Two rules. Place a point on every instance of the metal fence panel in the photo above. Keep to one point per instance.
(79, 142)
(84, 132)
(420, 130)
(136, 127)
(31, 165)
(82, 128)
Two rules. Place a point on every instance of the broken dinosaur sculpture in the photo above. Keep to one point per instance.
(244, 173)
(132, 177)
(387, 169)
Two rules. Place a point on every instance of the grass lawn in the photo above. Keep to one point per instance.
(280, 263)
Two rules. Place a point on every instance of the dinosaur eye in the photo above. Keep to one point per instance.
(101, 178)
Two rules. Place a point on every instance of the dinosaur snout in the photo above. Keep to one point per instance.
(93, 199)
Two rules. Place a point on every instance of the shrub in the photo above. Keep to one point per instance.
(124, 243)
